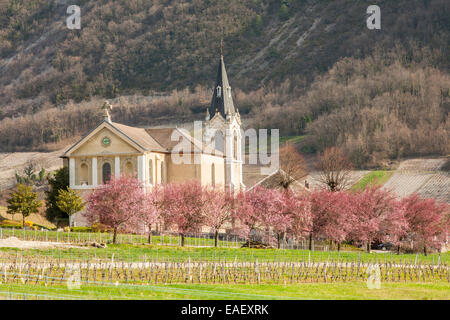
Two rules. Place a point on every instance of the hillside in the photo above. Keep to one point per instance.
(127, 47)
(308, 67)
(12, 163)
(422, 176)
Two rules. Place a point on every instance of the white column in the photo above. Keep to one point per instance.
(117, 167)
(229, 158)
(94, 172)
(141, 168)
(72, 172)
(241, 182)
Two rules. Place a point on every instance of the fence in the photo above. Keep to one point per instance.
(51, 271)
(169, 239)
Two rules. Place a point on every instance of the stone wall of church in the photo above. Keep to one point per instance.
(178, 172)
(207, 176)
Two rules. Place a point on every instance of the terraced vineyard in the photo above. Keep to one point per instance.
(10, 163)
(422, 176)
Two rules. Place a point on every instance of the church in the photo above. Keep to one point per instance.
(112, 149)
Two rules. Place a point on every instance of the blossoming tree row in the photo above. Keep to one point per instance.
(374, 214)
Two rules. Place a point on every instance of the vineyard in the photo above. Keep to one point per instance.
(33, 274)
(422, 176)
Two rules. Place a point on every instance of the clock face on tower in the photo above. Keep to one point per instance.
(106, 141)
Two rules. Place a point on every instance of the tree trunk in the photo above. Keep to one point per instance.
(23, 221)
(339, 246)
(115, 235)
(398, 250)
(310, 241)
(182, 239)
(150, 236)
(279, 240)
(216, 238)
(368, 246)
(425, 250)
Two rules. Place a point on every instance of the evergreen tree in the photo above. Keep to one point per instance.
(60, 181)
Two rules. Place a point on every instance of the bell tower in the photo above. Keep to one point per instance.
(223, 129)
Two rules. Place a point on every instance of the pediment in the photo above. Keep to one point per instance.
(104, 140)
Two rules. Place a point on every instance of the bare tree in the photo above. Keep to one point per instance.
(292, 164)
(334, 167)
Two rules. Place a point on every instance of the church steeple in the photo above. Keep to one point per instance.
(222, 99)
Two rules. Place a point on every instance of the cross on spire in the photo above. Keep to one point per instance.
(107, 107)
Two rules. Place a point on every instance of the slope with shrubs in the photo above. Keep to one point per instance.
(308, 67)
(378, 108)
(138, 46)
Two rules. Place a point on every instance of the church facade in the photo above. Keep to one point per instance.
(112, 149)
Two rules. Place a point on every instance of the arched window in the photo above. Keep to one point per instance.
(128, 168)
(218, 141)
(150, 171)
(219, 92)
(106, 172)
(84, 174)
(213, 175)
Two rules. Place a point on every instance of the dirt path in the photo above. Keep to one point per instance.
(13, 242)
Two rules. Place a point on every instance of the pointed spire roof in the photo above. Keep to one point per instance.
(222, 99)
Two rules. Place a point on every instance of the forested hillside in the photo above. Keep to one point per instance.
(307, 66)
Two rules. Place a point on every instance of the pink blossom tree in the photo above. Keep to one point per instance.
(117, 204)
(218, 209)
(377, 215)
(182, 205)
(257, 209)
(298, 207)
(150, 215)
(331, 217)
(427, 221)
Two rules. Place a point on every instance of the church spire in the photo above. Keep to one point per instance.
(222, 99)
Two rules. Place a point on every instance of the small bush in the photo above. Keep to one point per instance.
(10, 226)
(81, 229)
(98, 227)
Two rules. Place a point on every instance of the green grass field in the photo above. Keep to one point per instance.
(377, 178)
(434, 288)
(82, 237)
(127, 252)
(323, 291)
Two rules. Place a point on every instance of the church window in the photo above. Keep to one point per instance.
(106, 172)
(219, 92)
(218, 141)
